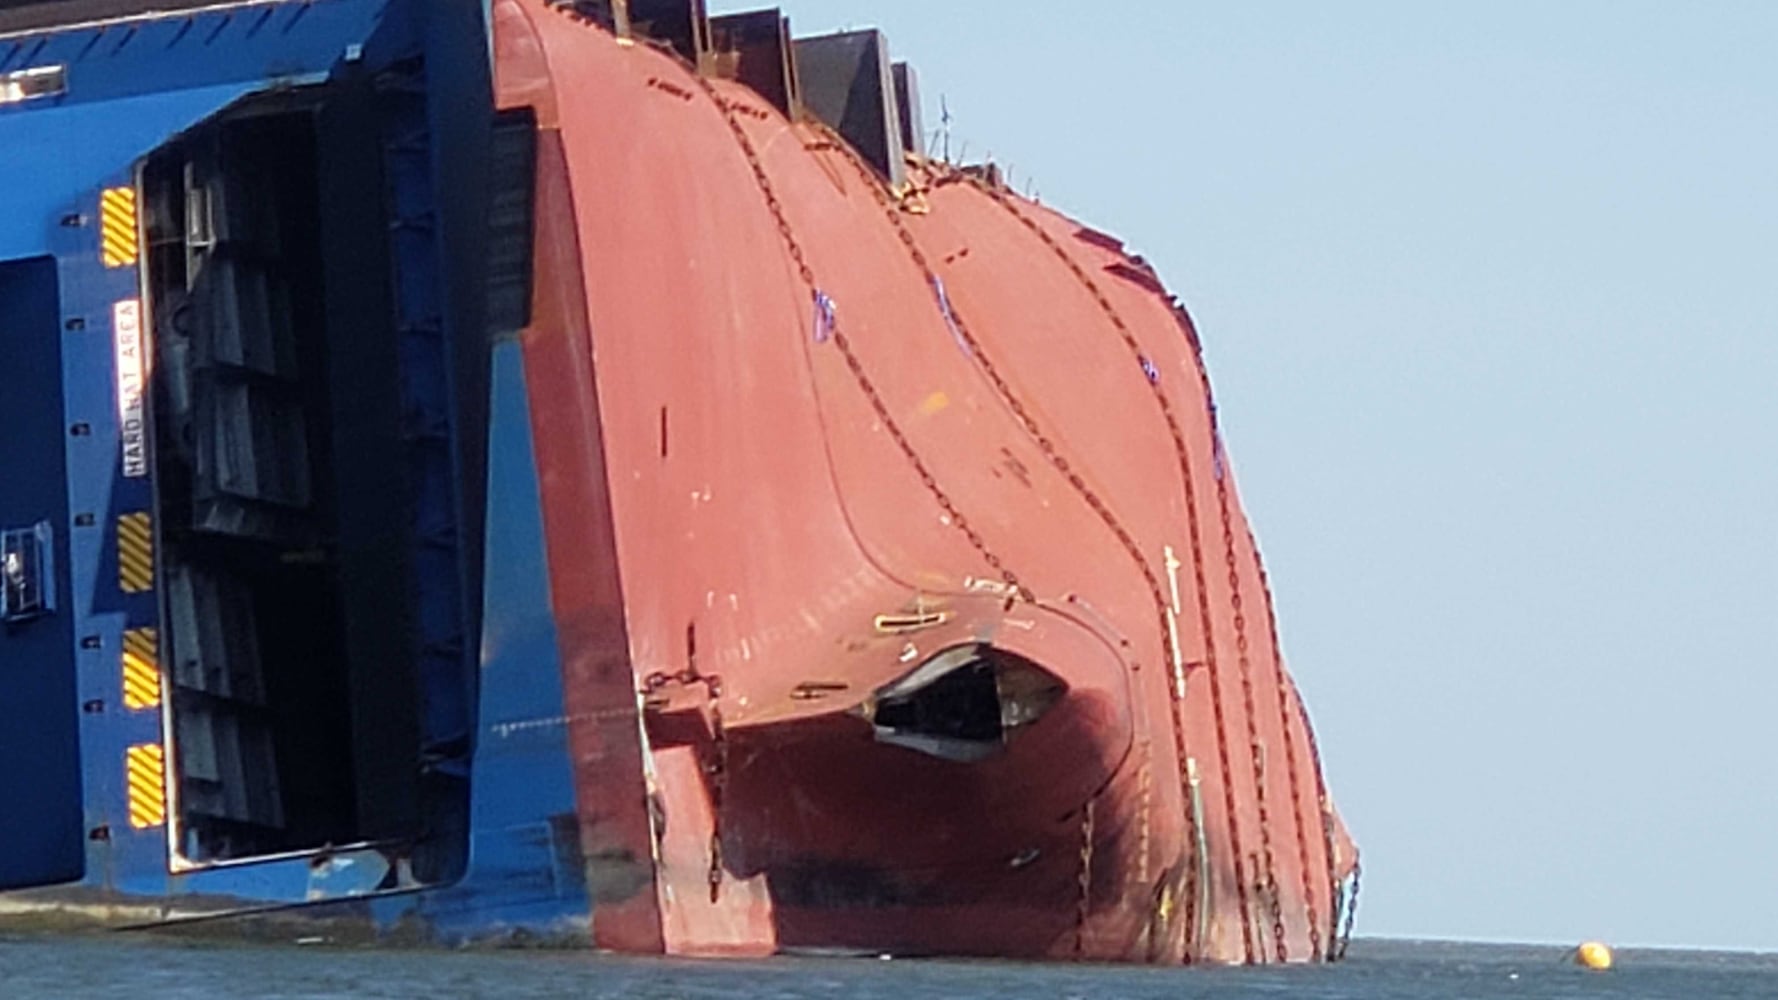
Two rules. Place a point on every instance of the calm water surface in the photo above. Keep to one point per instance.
(112, 967)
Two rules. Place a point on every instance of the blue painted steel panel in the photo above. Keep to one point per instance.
(53, 159)
(277, 43)
(430, 429)
(459, 85)
(522, 772)
(131, 89)
(97, 496)
(40, 799)
(525, 869)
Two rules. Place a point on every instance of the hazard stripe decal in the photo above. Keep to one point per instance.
(145, 767)
(141, 669)
(118, 246)
(135, 553)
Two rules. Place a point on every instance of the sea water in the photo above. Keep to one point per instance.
(141, 968)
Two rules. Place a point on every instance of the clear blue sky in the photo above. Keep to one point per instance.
(1490, 293)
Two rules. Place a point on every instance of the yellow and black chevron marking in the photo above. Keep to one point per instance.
(118, 245)
(145, 767)
(135, 553)
(141, 669)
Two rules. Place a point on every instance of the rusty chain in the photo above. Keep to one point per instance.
(1327, 829)
(1189, 954)
(1182, 455)
(1242, 654)
(960, 326)
(716, 765)
(1286, 688)
(1062, 465)
(1002, 387)
(1242, 642)
(806, 274)
(1221, 471)
(1056, 459)
(719, 768)
(954, 516)
(1083, 908)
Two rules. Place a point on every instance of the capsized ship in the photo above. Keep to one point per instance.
(582, 473)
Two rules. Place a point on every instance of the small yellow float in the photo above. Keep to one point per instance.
(1593, 955)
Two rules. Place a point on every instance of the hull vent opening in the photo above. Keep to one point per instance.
(965, 704)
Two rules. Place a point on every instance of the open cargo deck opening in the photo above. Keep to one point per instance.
(282, 484)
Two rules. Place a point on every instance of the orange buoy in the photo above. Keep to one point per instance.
(1593, 955)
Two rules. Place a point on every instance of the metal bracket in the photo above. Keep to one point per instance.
(36, 83)
(27, 572)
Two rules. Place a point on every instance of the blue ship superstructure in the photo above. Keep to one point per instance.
(257, 260)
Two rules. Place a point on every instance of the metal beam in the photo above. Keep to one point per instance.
(754, 48)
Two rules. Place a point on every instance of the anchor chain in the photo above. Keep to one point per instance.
(1182, 455)
(1045, 445)
(961, 330)
(1290, 749)
(1327, 832)
(1083, 908)
(829, 323)
(716, 765)
(1244, 659)
(1002, 387)
(719, 768)
(837, 336)
(1269, 885)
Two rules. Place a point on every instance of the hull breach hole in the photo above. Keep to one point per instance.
(965, 704)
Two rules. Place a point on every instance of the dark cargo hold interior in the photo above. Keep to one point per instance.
(284, 486)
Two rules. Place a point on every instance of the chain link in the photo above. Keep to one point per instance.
(1327, 826)
(1243, 652)
(1060, 462)
(1182, 455)
(879, 406)
(719, 767)
(1286, 689)
(1244, 659)
(1221, 475)
(716, 764)
(1084, 906)
(1063, 466)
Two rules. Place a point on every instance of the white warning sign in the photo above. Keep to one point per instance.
(132, 385)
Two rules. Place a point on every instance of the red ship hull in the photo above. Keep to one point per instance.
(906, 602)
